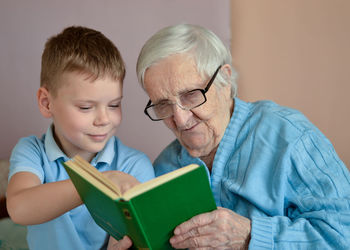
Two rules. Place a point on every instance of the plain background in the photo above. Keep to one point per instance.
(294, 52)
(26, 25)
(297, 53)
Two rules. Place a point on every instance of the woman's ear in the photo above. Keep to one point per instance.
(44, 99)
(226, 74)
(226, 69)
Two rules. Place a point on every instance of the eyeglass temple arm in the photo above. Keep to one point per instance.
(145, 110)
(212, 79)
(149, 103)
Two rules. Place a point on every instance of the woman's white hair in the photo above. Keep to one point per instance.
(206, 48)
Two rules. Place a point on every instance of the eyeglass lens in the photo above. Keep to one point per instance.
(186, 101)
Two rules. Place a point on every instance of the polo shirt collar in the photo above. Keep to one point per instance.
(107, 154)
(53, 151)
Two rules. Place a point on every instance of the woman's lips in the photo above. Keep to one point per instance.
(190, 129)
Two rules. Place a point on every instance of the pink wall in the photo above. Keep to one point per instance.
(297, 53)
(25, 26)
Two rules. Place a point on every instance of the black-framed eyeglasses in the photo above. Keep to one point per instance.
(186, 101)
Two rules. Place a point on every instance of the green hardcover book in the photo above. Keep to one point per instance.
(149, 212)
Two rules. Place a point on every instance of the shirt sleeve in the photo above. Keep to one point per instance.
(26, 156)
(141, 168)
(316, 202)
(134, 162)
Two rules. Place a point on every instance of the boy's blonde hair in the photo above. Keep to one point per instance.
(79, 49)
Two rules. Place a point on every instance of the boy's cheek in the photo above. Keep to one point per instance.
(117, 119)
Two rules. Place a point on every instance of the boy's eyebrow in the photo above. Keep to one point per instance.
(92, 101)
(117, 99)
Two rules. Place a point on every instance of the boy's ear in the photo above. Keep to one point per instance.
(44, 100)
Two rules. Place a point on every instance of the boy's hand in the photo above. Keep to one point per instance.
(123, 180)
(124, 243)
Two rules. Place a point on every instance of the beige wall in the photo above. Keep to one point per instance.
(297, 53)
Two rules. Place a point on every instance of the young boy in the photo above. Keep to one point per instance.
(81, 91)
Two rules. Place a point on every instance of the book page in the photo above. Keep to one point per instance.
(97, 178)
(136, 190)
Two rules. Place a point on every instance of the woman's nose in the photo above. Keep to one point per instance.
(181, 116)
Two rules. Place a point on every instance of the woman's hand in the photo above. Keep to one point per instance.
(220, 229)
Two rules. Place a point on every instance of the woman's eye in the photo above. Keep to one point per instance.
(162, 105)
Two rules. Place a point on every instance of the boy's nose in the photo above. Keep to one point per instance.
(101, 118)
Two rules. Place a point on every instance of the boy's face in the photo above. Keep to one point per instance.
(85, 113)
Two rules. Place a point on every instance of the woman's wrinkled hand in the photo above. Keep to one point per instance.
(219, 229)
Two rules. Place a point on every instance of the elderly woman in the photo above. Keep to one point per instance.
(277, 180)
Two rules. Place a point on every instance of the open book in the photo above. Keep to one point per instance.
(149, 212)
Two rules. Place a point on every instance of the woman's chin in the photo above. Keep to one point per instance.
(195, 149)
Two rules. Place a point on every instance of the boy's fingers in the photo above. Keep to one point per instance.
(125, 243)
(111, 243)
(122, 244)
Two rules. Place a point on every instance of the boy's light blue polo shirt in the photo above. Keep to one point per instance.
(75, 229)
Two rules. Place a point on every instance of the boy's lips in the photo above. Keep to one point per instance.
(100, 137)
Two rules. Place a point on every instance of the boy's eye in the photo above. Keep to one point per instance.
(115, 105)
(84, 107)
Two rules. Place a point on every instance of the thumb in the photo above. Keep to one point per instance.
(122, 244)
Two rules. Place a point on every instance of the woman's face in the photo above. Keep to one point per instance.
(199, 130)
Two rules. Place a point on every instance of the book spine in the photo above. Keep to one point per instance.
(134, 226)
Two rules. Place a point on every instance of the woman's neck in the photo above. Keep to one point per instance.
(208, 159)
